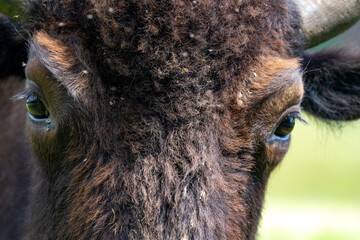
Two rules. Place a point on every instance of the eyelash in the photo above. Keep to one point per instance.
(297, 116)
(31, 90)
(24, 95)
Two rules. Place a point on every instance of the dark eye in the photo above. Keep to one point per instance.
(36, 107)
(286, 126)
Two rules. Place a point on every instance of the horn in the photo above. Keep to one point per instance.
(12, 8)
(324, 19)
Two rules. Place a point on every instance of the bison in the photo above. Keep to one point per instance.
(152, 119)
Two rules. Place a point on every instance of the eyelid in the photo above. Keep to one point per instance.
(31, 89)
(293, 111)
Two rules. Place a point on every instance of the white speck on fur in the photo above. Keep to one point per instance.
(90, 16)
(239, 98)
(202, 194)
(61, 24)
(85, 71)
(237, 10)
(185, 54)
(191, 35)
(111, 10)
(192, 224)
(254, 73)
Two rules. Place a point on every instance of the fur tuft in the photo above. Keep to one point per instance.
(332, 85)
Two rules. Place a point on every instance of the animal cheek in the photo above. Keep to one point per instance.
(275, 152)
(48, 143)
(42, 149)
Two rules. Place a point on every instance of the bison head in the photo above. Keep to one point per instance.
(163, 119)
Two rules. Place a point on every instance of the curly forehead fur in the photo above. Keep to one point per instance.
(150, 152)
(168, 39)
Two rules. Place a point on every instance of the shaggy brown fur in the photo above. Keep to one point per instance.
(158, 161)
(162, 115)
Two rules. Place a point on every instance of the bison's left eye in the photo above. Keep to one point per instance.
(286, 126)
(36, 107)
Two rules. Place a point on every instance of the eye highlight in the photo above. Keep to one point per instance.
(36, 107)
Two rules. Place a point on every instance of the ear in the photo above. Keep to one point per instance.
(12, 49)
(332, 85)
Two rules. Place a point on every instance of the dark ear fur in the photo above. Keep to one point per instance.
(332, 85)
(12, 49)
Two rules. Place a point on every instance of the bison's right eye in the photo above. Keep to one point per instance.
(36, 107)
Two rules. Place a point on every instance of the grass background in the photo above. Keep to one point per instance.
(315, 193)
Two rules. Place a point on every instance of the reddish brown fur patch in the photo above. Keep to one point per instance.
(60, 60)
(61, 54)
(264, 80)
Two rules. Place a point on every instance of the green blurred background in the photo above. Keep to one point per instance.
(315, 193)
